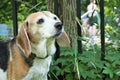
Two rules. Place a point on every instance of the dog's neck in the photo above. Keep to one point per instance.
(45, 48)
(41, 63)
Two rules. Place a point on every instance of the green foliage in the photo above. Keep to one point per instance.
(3, 38)
(25, 7)
(5, 11)
(66, 63)
(89, 64)
(112, 65)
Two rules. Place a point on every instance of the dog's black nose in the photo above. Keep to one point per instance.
(58, 25)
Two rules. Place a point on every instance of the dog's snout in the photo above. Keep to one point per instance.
(58, 25)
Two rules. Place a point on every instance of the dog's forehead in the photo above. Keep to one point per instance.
(47, 13)
(33, 16)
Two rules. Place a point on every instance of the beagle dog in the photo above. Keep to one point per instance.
(29, 54)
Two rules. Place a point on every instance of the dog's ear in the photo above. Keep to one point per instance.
(63, 40)
(23, 39)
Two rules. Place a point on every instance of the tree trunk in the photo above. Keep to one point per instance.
(67, 13)
(51, 5)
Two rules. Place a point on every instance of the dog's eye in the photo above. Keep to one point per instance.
(40, 21)
(55, 18)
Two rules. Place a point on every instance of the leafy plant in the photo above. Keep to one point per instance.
(112, 65)
(89, 65)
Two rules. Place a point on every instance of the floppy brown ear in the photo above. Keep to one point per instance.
(23, 40)
(63, 40)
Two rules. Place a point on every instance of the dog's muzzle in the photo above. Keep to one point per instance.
(59, 27)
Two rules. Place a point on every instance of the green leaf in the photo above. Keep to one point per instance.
(69, 77)
(108, 70)
(117, 72)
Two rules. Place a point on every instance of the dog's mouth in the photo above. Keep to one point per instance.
(58, 34)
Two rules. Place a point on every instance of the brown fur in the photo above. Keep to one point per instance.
(17, 68)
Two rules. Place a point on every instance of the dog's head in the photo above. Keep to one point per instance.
(38, 26)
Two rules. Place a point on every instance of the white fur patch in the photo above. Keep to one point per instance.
(39, 70)
(3, 75)
(44, 48)
(40, 67)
